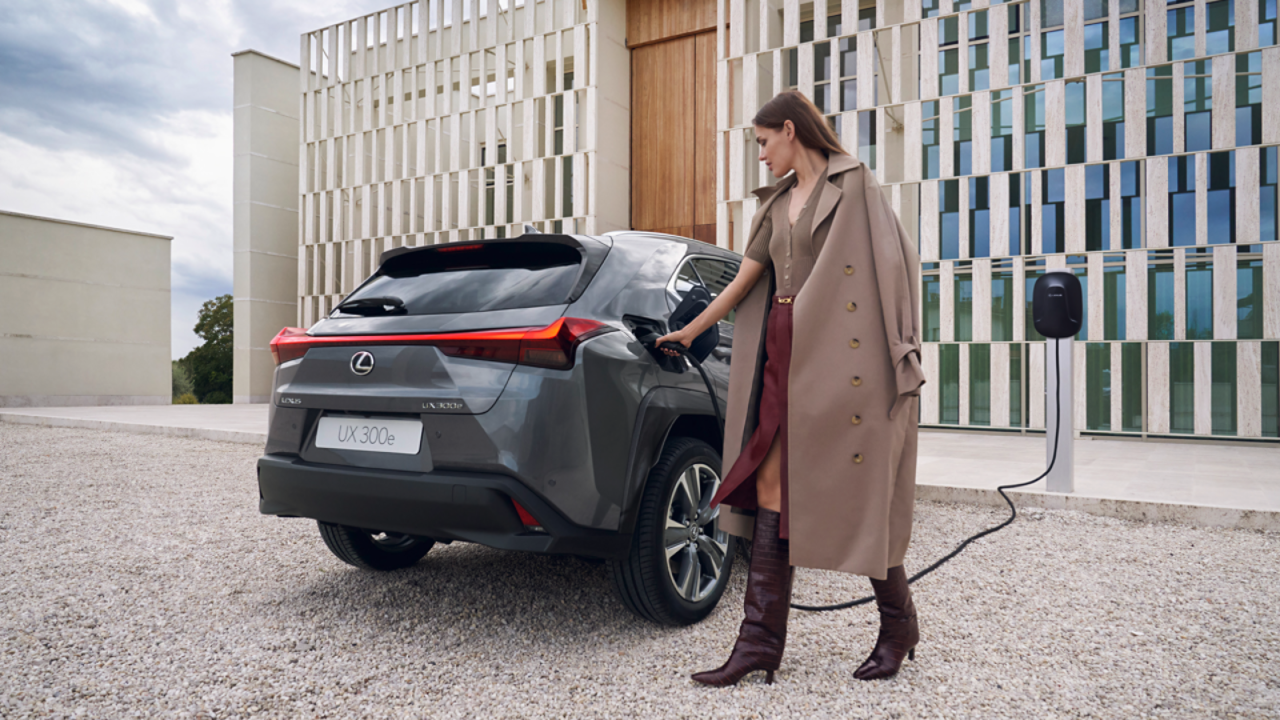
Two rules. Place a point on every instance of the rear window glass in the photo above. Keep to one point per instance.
(473, 278)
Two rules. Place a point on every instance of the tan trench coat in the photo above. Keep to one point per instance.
(844, 515)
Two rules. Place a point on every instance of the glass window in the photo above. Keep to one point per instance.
(1097, 357)
(1182, 200)
(979, 218)
(1182, 392)
(1197, 94)
(1096, 39)
(1271, 389)
(1222, 197)
(1002, 306)
(1028, 295)
(1094, 9)
(806, 31)
(1050, 13)
(1113, 302)
(1034, 120)
(1248, 99)
(1131, 205)
(1268, 200)
(822, 77)
(962, 135)
(931, 139)
(1097, 207)
(1077, 138)
(1015, 52)
(948, 72)
(979, 74)
(932, 308)
(978, 26)
(1015, 385)
(963, 324)
(1001, 130)
(1052, 209)
(1249, 299)
(1016, 244)
(949, 218)
(1180, 26)
(1222, 407)
(1113, 116)
(949, 369)
(948, 31)
(1160, 299)
(929, 8)
(867, 17)
(1199, 300)
(1082, 274)
(1160, 110)
(1027, 215)
(716, 275)
(1266, 23)
(1131, 384)
(979, 384)
(1051, 54)
(1220, 35)
(867, 144)
(1130, 43)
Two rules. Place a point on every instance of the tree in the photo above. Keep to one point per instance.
(210, 365)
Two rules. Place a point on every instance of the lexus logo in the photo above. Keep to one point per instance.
(362, 363)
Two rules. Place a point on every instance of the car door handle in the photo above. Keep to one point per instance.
(722, 353)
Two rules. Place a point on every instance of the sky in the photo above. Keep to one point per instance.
(118, 113)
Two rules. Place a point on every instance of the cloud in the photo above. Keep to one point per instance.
(118, 113)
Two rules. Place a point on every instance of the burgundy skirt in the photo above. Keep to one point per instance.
(739, 485)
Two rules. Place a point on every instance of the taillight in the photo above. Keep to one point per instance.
(550, 347)
(289, 344)
(527, 518)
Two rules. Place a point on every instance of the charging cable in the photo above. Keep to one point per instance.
(1013, 511)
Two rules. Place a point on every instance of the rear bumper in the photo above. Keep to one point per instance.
(444, 505)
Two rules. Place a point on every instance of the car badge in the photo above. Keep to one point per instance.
(362, 362)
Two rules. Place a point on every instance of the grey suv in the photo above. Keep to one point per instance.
(495, 392)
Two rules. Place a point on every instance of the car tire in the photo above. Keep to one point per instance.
(679, 563)
(373, 550)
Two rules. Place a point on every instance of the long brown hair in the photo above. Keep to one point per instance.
(811, 128)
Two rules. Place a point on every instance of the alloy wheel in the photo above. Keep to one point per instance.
(695, 546)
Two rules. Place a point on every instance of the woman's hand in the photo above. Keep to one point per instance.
(681, 336)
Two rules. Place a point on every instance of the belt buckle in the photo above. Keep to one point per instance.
(786, 300)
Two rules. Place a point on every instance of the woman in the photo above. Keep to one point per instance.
(821, 429)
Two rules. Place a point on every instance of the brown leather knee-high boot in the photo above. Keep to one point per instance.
(763, 633)
(899, 631)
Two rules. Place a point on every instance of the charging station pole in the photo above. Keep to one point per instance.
(1061, 477)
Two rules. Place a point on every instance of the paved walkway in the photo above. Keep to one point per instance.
(1234, 485)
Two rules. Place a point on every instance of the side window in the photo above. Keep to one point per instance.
(716, 275)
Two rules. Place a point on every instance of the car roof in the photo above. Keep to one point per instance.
(692, 246)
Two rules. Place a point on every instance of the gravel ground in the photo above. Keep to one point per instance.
(137, 579)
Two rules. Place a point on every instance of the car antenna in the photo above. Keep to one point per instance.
(531, 230)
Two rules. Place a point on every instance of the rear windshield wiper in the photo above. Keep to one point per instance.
(388, 304)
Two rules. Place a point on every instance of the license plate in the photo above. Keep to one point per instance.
(403, 437)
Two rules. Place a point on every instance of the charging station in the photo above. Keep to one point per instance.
(1057, 313)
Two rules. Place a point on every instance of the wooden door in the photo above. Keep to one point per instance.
(673, 90)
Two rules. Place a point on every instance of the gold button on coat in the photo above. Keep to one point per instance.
(857, 419)
(856, 381)
(857, 458)
(852, 306)
(854, 343)
(848, 269)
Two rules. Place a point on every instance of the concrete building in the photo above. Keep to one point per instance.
(264, 215)
(88, 314)
(1124, 140)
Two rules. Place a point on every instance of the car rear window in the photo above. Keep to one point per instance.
(473, 278)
